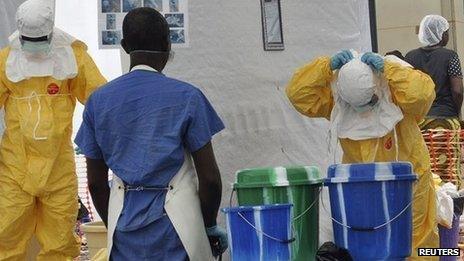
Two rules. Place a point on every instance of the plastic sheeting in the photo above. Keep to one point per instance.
(246, 84)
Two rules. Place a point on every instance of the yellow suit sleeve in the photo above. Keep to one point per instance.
(89, 77)
(4, 92)
(309, 90)
(412, 90)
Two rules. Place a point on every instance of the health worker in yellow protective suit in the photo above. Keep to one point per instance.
(375, 122)
(42, 73)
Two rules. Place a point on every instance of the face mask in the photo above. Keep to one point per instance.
(36, 48)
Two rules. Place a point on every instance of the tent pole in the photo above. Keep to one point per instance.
(373, 25)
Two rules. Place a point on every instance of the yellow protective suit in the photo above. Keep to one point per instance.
(413, 91)
(38, 184)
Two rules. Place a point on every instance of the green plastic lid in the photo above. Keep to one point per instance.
(277, 177)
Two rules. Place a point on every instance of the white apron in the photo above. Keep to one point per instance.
(182, 206)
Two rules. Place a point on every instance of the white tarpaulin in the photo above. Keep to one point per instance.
(246, 84)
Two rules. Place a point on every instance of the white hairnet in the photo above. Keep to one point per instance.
(431, 29)
(356, 83)
(36, 18)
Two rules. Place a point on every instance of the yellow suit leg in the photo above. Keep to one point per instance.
(56, 223)
(17, 220)
(425, 230)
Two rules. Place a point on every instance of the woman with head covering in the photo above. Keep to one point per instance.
(444, 67)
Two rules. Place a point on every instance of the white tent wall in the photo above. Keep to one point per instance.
(246, 85)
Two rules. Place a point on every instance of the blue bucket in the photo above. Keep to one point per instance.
(259, 232)
(372, 209)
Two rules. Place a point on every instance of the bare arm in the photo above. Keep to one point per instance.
(97, 177)
(456, 92)
(210, 185)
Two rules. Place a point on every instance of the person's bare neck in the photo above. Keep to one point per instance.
(156, 62)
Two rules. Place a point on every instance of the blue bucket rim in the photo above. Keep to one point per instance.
(398, 170)
(253, 208)
(336, 180)
(377, 162)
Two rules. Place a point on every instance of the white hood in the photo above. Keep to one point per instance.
(355, 85)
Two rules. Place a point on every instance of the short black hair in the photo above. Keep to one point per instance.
(145, 29)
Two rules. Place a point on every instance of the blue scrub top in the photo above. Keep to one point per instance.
(140, 124)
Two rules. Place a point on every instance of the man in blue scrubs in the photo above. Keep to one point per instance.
(146, 127)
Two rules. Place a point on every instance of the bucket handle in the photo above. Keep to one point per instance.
(310, 206)
(366, 229)
(283, 241)
(297, 217)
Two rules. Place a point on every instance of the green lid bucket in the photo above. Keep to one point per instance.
(297, 185)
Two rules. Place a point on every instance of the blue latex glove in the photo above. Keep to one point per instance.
(340, 59)
(218, 239)
(375, 61)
